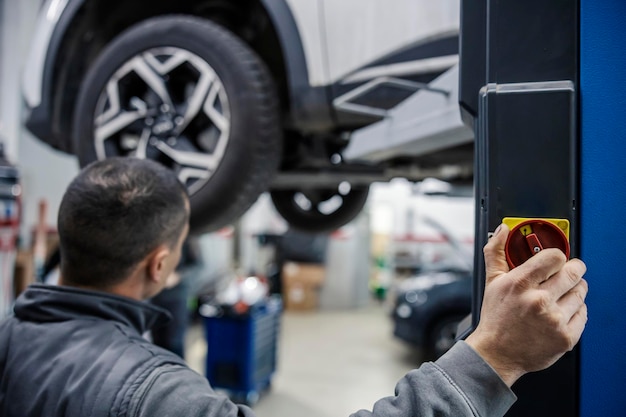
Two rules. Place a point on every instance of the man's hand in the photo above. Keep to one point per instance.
(531, 315)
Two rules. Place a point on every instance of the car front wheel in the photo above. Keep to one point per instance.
(189, 94)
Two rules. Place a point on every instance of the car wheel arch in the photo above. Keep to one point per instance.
(67, 59)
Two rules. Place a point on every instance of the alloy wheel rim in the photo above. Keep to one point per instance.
(169, 105)
(322, 202)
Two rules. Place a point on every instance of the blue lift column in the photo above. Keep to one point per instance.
(543, 85)
(603, 200)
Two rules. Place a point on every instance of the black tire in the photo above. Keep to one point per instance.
(251, 156)
(442, 335)
(313, 218)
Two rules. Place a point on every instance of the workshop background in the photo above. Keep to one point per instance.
(340, 314)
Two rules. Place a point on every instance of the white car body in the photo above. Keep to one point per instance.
(339, 67)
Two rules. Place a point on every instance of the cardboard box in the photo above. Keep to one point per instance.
(301, 284)
(309, 274)
(301, 297)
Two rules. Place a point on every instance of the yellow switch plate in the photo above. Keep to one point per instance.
(562, 224)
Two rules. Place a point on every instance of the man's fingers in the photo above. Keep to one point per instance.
(572, 302)
(542, 266)
(577, 324)
(567, 278)
(495, 259)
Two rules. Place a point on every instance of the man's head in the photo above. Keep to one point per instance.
(120, 216)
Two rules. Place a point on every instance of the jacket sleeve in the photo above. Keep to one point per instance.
(459, 384)
(176, 390)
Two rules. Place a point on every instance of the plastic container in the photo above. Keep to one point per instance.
(242, 348)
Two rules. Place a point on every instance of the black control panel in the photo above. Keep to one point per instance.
(519, 92)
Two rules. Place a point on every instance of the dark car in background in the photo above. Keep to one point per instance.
(429, 305)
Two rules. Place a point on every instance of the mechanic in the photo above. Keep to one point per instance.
(77, 349)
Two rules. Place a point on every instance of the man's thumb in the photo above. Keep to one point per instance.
(495, 259)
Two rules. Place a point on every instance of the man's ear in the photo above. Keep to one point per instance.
(157, 263)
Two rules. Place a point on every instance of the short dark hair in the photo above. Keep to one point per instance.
(113, 214)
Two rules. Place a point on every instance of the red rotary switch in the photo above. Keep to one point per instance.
(532, 236)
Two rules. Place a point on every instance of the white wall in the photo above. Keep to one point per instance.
(45, 172)
(395, 208)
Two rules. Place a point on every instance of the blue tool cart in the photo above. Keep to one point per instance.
(242, 348)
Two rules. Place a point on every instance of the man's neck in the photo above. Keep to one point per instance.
(128, 288)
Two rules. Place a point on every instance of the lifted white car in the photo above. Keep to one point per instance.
(242, 97)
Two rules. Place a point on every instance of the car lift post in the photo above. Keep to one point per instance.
(603, 191)
(543, 83)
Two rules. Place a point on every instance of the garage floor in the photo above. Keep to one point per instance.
(331, 363)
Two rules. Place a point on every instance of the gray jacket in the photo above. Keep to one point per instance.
(70, 353)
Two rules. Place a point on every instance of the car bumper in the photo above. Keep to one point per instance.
(407, 331)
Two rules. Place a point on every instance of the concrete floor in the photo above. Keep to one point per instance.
(331, 363)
